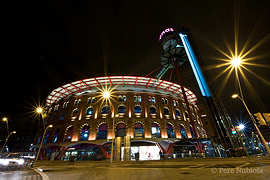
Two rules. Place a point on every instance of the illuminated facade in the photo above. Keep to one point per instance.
(153, 113)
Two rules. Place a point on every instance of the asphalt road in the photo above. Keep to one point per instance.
(14, 173)
(225, 168)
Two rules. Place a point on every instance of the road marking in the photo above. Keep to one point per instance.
(23, 172)
(243, 165)
(33, 177)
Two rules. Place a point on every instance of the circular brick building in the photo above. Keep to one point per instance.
(151, 111)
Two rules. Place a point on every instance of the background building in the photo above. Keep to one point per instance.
(152, 113)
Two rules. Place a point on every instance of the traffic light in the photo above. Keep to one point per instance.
(260, 119)
(233, 130)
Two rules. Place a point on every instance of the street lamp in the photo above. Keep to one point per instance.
(13, 132)
(241, 126)
(254, 122)
(50, 126)
(5, 119)
(236, 62)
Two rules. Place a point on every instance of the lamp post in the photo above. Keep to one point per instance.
(254, 122)
(5, 119)
(13, 132)
(241, 127)
(39, 110)
(50, 126)
(111, 160)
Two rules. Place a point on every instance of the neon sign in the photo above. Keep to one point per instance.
(164, 32)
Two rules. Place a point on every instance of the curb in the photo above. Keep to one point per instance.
(43, 175)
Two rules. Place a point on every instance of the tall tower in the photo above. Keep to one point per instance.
(179, 47)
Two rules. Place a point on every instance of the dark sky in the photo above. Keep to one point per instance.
(46, 44)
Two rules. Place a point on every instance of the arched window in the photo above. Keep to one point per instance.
(79, 101)
(162, 100)
(65, 105)
(46, 137)
(186, 114)
(177, 113)
(155, 130)
(194, 119)
(170, 131)
(124, 98)
(166, 101)
(56, 134)
(121, 109)
(174, 104)
(149, 99)
(199, 132)
(56, 107)
(75, 102)
(53, 117)
(93, 99)
(89, 111)
(191, 131)
(137, 110)
(69, 134)
(153, 100)
(63, 115)
(138, 130)
(182, 131)
(89, 100)
(153, 110)
(75, 113)
(105, 110)
(184, 105)
(166, 111)
(135, 98)
(120, 98)
(139, 99)
(85, 133)
(120, 130)
(102, 131)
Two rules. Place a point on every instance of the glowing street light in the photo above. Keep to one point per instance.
(106, 94)
(254, 122)
(236, 61)
(13, 132)
(39, 110)
(50, 126)
(241, 126)
(5, 119)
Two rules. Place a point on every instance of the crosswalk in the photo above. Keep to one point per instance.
(33, 177)
(19, 175)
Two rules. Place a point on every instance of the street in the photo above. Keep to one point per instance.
(13, 173)
(225, 168)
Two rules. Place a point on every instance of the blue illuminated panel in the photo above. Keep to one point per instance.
(195, 67)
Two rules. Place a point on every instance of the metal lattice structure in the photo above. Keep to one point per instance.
(118, 82)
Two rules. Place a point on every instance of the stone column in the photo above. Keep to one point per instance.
(127, 148)
(118, 145)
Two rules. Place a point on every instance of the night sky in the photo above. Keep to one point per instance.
(46, 44)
